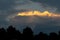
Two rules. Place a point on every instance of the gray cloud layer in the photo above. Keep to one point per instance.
(9, 8)
(52, 3)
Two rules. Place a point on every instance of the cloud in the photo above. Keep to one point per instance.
(52, 3)
(34, 21)
(30, 5)
(9, 9)
(37, 23)
(6, 4)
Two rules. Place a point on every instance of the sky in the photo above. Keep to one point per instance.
(10, 8)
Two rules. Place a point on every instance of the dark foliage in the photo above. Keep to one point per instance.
(12, 34)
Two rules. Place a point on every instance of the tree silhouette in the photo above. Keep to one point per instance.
(53, 36)
(41, 36)
(28, 33)
(59, 35)
(12, 34)
(2, 33)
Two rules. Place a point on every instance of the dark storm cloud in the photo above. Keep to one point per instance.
(52, 3)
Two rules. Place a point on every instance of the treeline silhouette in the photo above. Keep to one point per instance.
(12, 34)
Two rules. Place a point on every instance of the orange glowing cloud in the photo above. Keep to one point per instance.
(38, 13)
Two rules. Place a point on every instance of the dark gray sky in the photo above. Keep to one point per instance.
(9, 8)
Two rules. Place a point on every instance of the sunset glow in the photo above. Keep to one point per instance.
(38, 13)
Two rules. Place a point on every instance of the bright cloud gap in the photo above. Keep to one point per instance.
(38, 13)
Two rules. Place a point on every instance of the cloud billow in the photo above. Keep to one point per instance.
(52, 3)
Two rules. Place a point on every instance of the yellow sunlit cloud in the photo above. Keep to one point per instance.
(38, 13)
